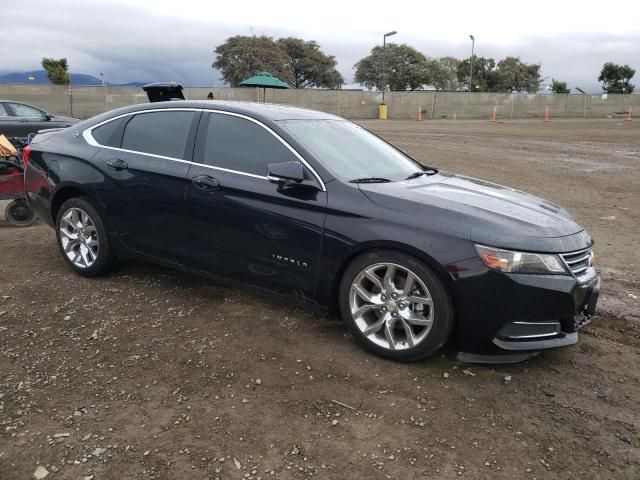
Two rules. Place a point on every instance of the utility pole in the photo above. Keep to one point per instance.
(384, 61)
(106, 95)
(473, 43)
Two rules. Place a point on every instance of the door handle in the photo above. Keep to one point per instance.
(117, 164)
(205, 182)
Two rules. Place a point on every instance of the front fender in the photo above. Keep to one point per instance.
(349, 232)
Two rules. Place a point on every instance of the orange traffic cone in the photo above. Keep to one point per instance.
(546, 114)
(629, 114)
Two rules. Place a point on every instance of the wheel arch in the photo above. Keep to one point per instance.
(64, 193)
(361, 248)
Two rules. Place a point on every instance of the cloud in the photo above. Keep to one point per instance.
(133, 43)
(125, 43)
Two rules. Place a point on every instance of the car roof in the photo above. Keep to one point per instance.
(22, 103)
(2, 100)
(253, 109)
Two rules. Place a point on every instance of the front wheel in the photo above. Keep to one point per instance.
(395, 305)
(19, 214)
(82, 238)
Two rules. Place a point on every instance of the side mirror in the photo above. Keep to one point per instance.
(286, 172)
(48, 116)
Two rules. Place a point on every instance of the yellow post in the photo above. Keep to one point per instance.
(382, 112)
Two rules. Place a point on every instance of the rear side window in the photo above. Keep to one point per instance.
(3, 111)
(158, 133)
(238, 144)
(110, 134)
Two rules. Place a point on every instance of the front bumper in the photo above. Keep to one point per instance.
(529, 336)
(512, 315)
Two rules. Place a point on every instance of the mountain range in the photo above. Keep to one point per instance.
(39, 77)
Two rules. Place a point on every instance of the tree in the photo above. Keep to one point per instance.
(508, 75)
(300, 63)
(241, 57)
(308, 66)
(513, 75)
(444, 73)
(482, 73)
(557, 86)
(402, 66)
(615, 78)
(56, 70)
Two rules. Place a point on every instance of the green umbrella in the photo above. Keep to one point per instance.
(264, 80)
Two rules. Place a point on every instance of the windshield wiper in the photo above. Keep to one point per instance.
(370, 180)
(415, 175)
(428, 171)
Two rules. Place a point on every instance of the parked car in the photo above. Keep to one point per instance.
(20, 119)
(311, 206)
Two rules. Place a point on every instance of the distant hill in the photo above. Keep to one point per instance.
(40, 78)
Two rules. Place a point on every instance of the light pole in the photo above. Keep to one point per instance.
(384, 61)
(473, 44)
(106, 96)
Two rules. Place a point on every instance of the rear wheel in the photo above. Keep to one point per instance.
(395, 305)
(19, 214)
(82, 238)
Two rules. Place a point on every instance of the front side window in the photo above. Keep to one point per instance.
(239, 144)
(158, 133)
(26, 111)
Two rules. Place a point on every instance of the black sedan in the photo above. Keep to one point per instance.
(311, 206)
(19, 119)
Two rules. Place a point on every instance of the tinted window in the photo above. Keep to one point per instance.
(109, 134)
(21, 110)
(3, 111)
(159, 133)
(239, 144)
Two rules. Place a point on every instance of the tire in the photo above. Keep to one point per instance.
(82, 238)
(19, 214)
(409, 327)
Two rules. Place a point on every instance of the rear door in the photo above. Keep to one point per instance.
(245, 226)
(146, 158)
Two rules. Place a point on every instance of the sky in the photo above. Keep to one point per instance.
(159, 40)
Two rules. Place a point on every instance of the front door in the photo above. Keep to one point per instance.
(245, 226)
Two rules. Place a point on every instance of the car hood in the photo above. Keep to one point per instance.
(489, 213)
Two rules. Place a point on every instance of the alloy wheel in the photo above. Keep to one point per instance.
(391, 306)
(79, 238)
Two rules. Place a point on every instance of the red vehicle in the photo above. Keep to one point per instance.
(17, 212)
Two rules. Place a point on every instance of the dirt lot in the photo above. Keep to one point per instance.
(150, 373)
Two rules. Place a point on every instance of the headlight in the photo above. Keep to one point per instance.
(520, 262)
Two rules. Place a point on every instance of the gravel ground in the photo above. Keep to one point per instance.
(149, 373)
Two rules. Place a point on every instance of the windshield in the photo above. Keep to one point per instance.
(349, 151)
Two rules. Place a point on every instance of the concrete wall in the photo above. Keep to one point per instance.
(89, 101)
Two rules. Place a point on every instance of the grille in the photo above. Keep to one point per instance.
(578, 262)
